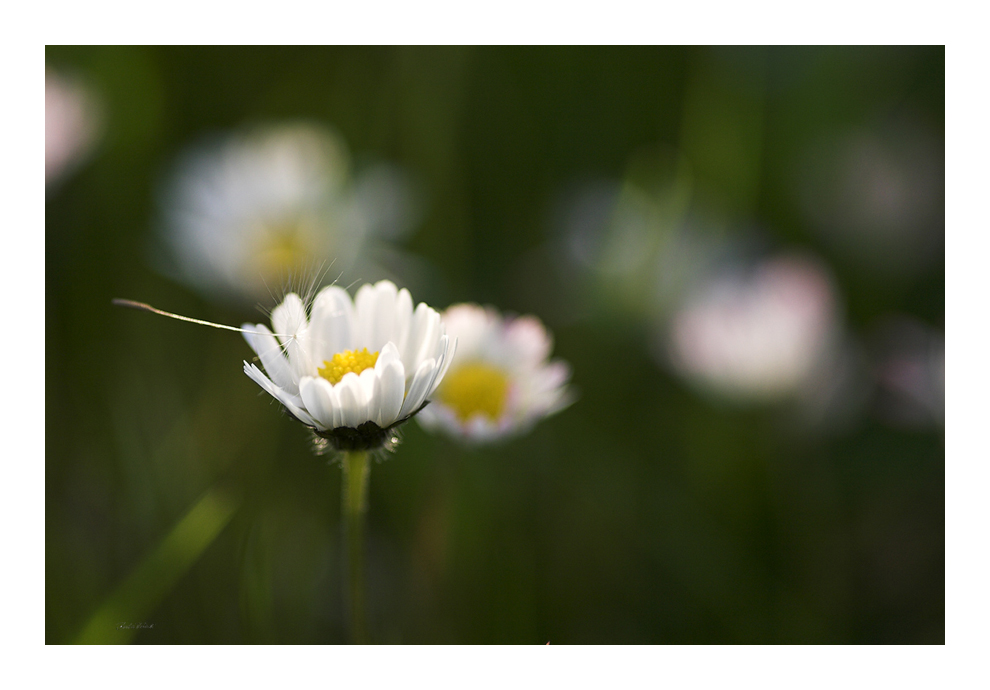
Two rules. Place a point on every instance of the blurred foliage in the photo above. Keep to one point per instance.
(642, 514)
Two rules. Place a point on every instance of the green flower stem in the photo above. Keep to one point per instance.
(354, 503)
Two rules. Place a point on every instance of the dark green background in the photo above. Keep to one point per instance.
(642, 514)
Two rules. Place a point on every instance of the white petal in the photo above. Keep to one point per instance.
(556, 401)
(382, 324)
(291, 402)
(388, 355)
(423, 338)
(369, 387)
(441, 359)
(353, 406)
(549, 393)
(445, 365)
(338, 412)
(403, 319)
(429, 418)
(528, 340)
(297, 350)
(290, 322)
(364, 314)
(392, 379)
(270, 352)
(418, 387)
(480, 429)
(551, 376)
(438, 417)
(290, 316)
(416, 325)
(441, 346)
(331, 328)
(474, 327)
(317, 396)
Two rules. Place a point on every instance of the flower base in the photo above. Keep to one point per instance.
(367, 437)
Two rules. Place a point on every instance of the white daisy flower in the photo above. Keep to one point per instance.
(501, 383)
(352, 370)
(252, 211)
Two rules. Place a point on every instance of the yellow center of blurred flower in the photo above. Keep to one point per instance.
(347, 362)
(475, 388)
(283, 250)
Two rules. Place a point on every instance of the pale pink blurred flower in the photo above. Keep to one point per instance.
(756, 336)
(72, 124)
(878, 196)
(501, 382)
(909, 372)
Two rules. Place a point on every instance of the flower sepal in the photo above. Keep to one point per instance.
(366, 437)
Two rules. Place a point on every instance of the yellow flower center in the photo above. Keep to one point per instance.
(282, 250)
(475, 388)
(347, 362)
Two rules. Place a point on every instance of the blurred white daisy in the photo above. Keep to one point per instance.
(352, 370)
(758, 336)
(501, 383)
(253, 211)
(72, 123)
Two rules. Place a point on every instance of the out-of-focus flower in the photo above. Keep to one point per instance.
(501, 383)
(878, 197)
(607, 228)
(909, 372)
(757, 336)
(632, 248)
(352, 371)
(72, 124)
(252, 211)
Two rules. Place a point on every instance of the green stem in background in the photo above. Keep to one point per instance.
(354, 503)
(126, 610)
